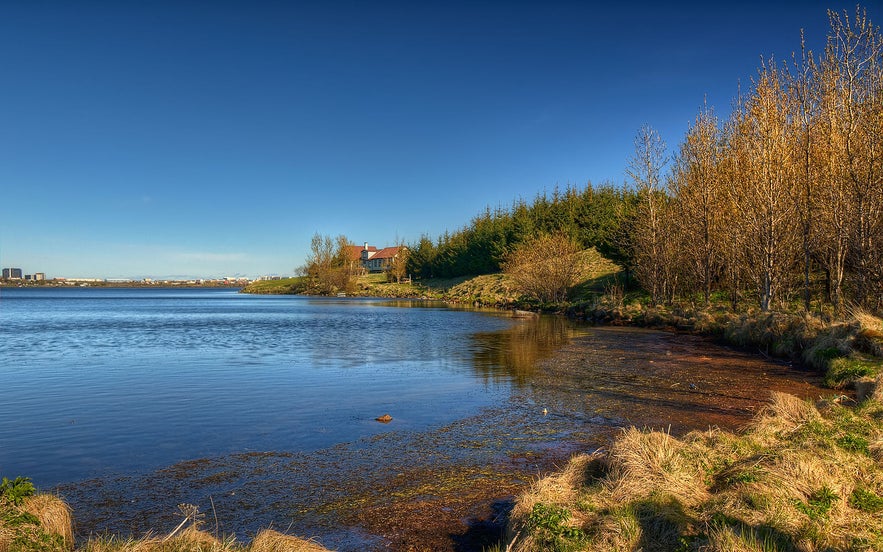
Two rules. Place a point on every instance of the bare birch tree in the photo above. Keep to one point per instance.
(328, 268)
(696, 185)
(759, 188)
(804, 108)
(651, 249)
(850, 88)
(833, 225)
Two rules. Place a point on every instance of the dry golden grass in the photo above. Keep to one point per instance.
(54, 515)
(557, 488)
(272, 541)
(865, 319)
(645, 463)
(801, 477)
(869, 334)
(782, 415)
(188, 540)
(192, 540)
(43, 522)
(6, 537)
(560, 488)
(876, 394)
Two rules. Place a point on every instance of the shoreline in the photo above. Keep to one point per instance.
(406, 505)
(653, 384)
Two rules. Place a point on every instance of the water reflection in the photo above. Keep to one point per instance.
(517, 350)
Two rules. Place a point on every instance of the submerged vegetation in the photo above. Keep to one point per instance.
(803, 476)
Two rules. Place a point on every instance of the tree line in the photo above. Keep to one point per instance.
(784, 199)
(590, 216)
(781, 201)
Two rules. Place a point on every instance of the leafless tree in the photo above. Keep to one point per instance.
(759, 189)
(398, 266)
(544, 267)
(651, 248)
(328, 267)
(699, 209)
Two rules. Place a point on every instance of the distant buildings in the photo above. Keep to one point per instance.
(16, 274)
(12, 274)
(16, 277)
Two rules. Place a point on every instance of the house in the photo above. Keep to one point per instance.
(373, 259)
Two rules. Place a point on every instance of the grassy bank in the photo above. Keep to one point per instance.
(285, 286)
(488, 290)
(43, 523)
(803, 476)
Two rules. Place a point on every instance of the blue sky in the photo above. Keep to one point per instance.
(213, 138)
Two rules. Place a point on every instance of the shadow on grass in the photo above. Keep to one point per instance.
(484, 534)
(667, 526)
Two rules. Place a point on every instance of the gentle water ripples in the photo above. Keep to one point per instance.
(99, 381)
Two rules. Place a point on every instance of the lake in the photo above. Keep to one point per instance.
(99, 381)
(261, 409)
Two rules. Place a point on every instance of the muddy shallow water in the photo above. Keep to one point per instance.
(448, 488)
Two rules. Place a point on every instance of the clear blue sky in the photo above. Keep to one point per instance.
(212, 138)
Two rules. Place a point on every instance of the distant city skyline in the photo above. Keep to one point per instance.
(201, 140)
(16, 273)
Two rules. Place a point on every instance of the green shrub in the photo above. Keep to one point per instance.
(548, 525)
(845, 370)
(17, 490)
(854, 443)
(818, 504)
(866, 500)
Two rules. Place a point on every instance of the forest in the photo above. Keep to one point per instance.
(778, 204)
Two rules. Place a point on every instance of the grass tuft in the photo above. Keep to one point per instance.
(53, 516)
(272, 541)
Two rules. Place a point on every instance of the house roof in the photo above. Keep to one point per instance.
(355, 251)
(387, 253)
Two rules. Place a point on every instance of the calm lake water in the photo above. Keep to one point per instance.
(112, 381)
